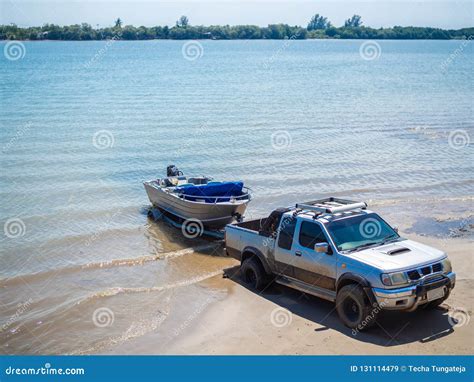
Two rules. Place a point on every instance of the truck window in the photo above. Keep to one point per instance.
(310, 234)
(287, 230)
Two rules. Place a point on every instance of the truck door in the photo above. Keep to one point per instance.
(284, 256)
(313, 267)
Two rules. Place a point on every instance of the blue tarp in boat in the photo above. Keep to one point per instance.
(223, 189)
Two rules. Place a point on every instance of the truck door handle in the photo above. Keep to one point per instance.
(298, 253)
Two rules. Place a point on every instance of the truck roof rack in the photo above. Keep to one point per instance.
(331, 205)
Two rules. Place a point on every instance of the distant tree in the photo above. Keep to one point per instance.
(355, 21)
(178, 33)
(144, 33)
(183, 22)
(331, 32)
(129, 32)
(276, 31)
(351, 30)
(318, 22)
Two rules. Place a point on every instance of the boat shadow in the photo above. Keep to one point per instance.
(391, 328)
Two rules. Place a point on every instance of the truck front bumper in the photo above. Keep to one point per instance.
(409, 298)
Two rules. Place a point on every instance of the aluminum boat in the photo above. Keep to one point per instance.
(200, 199)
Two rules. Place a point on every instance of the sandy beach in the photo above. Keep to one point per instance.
(186, 297)
(283, 321)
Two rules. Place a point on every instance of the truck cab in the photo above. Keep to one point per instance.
(339, 250)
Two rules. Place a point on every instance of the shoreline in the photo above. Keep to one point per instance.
(167, 310)
(248, 39)
(283, 321)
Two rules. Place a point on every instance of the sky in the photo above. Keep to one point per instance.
(449, 14)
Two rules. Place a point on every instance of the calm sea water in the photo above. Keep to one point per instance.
(82, 124)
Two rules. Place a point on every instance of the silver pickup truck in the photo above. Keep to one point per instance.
(338, 250)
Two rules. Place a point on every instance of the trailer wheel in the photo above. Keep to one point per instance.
(354, 309)
(252, 274)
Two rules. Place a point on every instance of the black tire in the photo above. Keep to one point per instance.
(253, 274)
(354, 309)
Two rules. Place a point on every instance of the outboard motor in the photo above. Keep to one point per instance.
(172, 170)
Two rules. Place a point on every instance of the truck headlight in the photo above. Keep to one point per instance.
(396, 278)
(446, 266)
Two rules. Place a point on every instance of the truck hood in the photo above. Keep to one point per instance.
(397, 256)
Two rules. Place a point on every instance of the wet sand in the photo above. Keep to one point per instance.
(150, 291)
(284, 321)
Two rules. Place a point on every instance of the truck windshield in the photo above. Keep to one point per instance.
(357, 232)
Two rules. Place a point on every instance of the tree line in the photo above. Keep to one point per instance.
(319, 27)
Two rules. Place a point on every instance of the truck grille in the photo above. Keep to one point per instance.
(437, 267)
(413, 275)
(425, 271)
(416, 274)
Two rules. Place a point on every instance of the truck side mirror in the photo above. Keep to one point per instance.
(395, 228)
(321, 247)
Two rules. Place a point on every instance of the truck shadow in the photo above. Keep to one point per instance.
(391, 328)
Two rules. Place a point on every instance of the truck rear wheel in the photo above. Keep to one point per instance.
(354, 309)
(253, 274)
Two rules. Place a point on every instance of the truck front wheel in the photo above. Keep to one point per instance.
(253, 274)
(353, 307)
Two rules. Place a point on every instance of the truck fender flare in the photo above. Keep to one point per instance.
(260, 256)
(350, 277)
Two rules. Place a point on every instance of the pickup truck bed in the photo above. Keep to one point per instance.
(252, 225)
(256, 234)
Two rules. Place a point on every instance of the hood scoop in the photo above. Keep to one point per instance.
(397, 251)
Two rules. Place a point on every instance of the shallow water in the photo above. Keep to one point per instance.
(82, 124)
